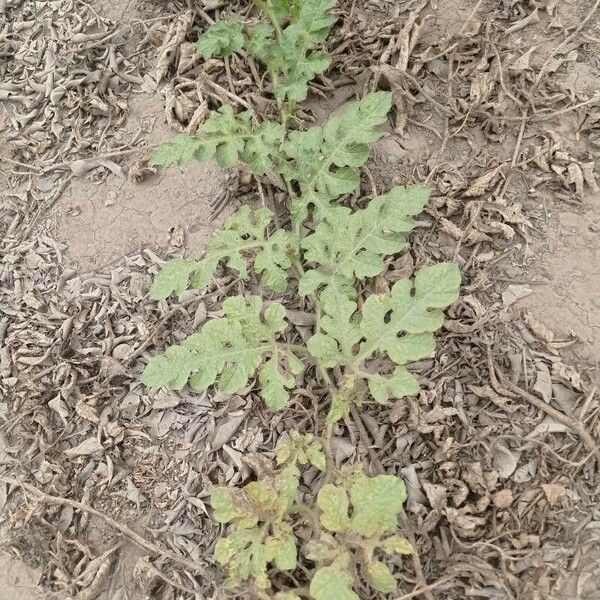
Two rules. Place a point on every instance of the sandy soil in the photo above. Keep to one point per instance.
(18, 581)
(101, 221)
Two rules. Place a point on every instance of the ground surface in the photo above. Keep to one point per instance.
(496, 108)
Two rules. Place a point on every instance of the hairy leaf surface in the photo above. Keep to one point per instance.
(228, 351)
(242, 240)
(229, 137)
(352, 245)
(222, 38)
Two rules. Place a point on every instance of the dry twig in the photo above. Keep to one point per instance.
(504, 387)
(132, 535)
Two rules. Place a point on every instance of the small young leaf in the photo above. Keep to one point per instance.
(332, 583)
(333, 502)
(396, 544)
(316, 457)
(284, 450)
(224, 551)
(376, 503)
(400, 384)
(223, 38)
(380, 577)
(288, 56)
(340, 405)
(300, 448)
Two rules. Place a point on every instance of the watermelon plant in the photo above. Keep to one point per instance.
(362, 343)
(354, 524)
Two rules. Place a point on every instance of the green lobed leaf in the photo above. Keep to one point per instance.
(301, 448)
(274, 383)
(401, 383)
(228, 351)
(334, 504)
(172, 369)
(286, 9)
(376, 503)
(410, 308)
(341, 402)
(289, 56)
(315, 456)
(399, 324)
(228, 137)
(338, 333)
(223, 505)
(280, 547)
(243, 239)
(352, 245)
(261, 533)
(177, 151)
(222, 38)
(261, 150)
(380, 577)
(172, 278)
(324, 160)
(332, 583)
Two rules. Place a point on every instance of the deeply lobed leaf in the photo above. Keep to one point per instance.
(243, 239)
(324, 161)
(261, 534)
(288, 55)
(229, 137)
(229, 350)
(399, 325)
(222, 38)
(352, 245)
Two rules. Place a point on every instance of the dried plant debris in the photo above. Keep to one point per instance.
(502, 493)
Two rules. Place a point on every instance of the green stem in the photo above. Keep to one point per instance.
(267, 8)
(326, 441)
